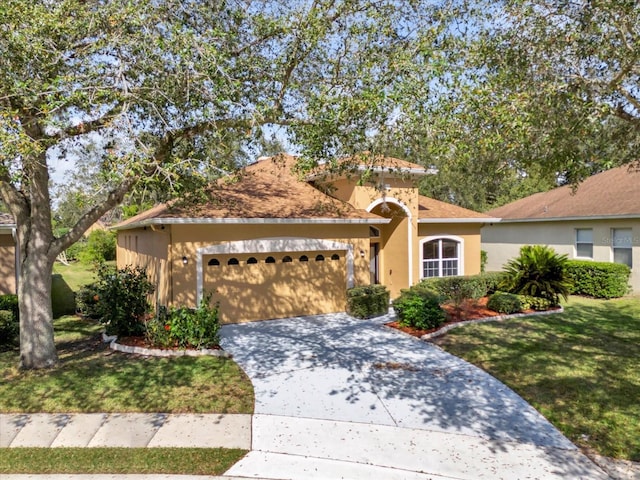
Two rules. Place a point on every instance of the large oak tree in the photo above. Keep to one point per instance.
(152, 89)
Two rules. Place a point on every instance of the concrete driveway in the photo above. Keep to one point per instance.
(338, 397)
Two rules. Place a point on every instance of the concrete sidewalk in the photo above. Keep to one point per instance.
(129, 430)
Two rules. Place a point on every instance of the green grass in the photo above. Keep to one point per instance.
(93, 378)
(580, 368)
(188, 461)
(76, 274)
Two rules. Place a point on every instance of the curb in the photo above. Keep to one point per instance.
(156, 352)
(497, 318)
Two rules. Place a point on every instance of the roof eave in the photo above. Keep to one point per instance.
(628, 216)
(459, 220)
(250, 221)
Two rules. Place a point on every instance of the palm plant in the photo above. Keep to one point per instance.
(539, 272)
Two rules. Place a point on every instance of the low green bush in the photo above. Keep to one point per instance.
(185, 327)
(122, 303)
(492, 281)
(528, 302)
(100, 247)
(9, 329)
(503, 302)
(87, 301)
(367, 301)
(598, 279)
(460, 288)
(419, 308)
(10, 302)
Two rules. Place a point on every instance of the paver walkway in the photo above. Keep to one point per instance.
(338, 397)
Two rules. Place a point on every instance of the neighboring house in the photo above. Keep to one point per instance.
(8, 281)
(270, 243)
(600, 221)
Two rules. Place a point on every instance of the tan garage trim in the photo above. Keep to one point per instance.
(272, 245)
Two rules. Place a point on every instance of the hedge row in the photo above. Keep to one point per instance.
(367, 301)
(598, 279)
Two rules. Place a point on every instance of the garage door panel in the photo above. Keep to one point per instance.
(257, 291)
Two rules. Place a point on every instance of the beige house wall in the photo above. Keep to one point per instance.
(7, 264)
(502, 241)
(150, 249)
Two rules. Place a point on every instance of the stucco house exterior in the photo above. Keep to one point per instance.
(600, 221)
(271, 243)
(8, 282)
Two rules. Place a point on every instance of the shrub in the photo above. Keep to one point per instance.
(367, 301)
(484, 258)
(419, 308)
(528, 302)
(539, 272)
(10, 302)
(122, 303)
(505, 303)
(63, 299)
(598, 279)
(100, 247)
(75, 251)
(9, 329)
(457, 289)
(492, 281)
(87, 300)
(185, 327)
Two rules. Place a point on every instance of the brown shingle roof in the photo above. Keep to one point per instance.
(7, 219)
(264, 190)
(615, 192)
(429, 208)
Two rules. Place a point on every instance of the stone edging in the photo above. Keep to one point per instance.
(497, 318)
(156, 352)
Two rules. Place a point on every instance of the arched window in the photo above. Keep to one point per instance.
(304, 258)
(214, 262)
(251, 260)
(442, 257)
(319, 258)
(335, 256)
(270, 260)
(233, 261)
(287, 259)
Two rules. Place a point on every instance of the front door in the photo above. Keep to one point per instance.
(374, 263)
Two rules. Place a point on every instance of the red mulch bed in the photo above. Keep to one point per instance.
(470, 310)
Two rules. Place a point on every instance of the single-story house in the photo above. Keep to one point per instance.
(8, 280)
(600, 221)
(271, 243)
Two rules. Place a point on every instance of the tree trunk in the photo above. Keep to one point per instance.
(37, 347)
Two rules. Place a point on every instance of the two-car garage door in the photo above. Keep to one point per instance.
(263, 285)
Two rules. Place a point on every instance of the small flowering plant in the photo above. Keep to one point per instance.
(184, 327)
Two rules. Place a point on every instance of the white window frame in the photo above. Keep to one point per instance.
(582, 242)
(460, 257)
(623, 246)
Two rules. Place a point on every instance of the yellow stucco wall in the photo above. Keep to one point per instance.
(7, 264)
(150, 249)
(188, 238)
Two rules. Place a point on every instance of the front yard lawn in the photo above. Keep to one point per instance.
(580, 368)
(92, 378)
(168, 461)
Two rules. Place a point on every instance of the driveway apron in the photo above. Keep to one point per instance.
(334, 368)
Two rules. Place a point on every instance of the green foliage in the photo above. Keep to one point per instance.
(122, 303)
(598, 279)
(9, 329)
(63, 299)
(458, 289)
(507, 303)
(100, 247)
(10, 302)
(483, 260)
(185, 327)
(87, 301)
(367, 301)
(492, 281)
(419, 308)
(528, 302)
(539, 272)
(75, 251)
